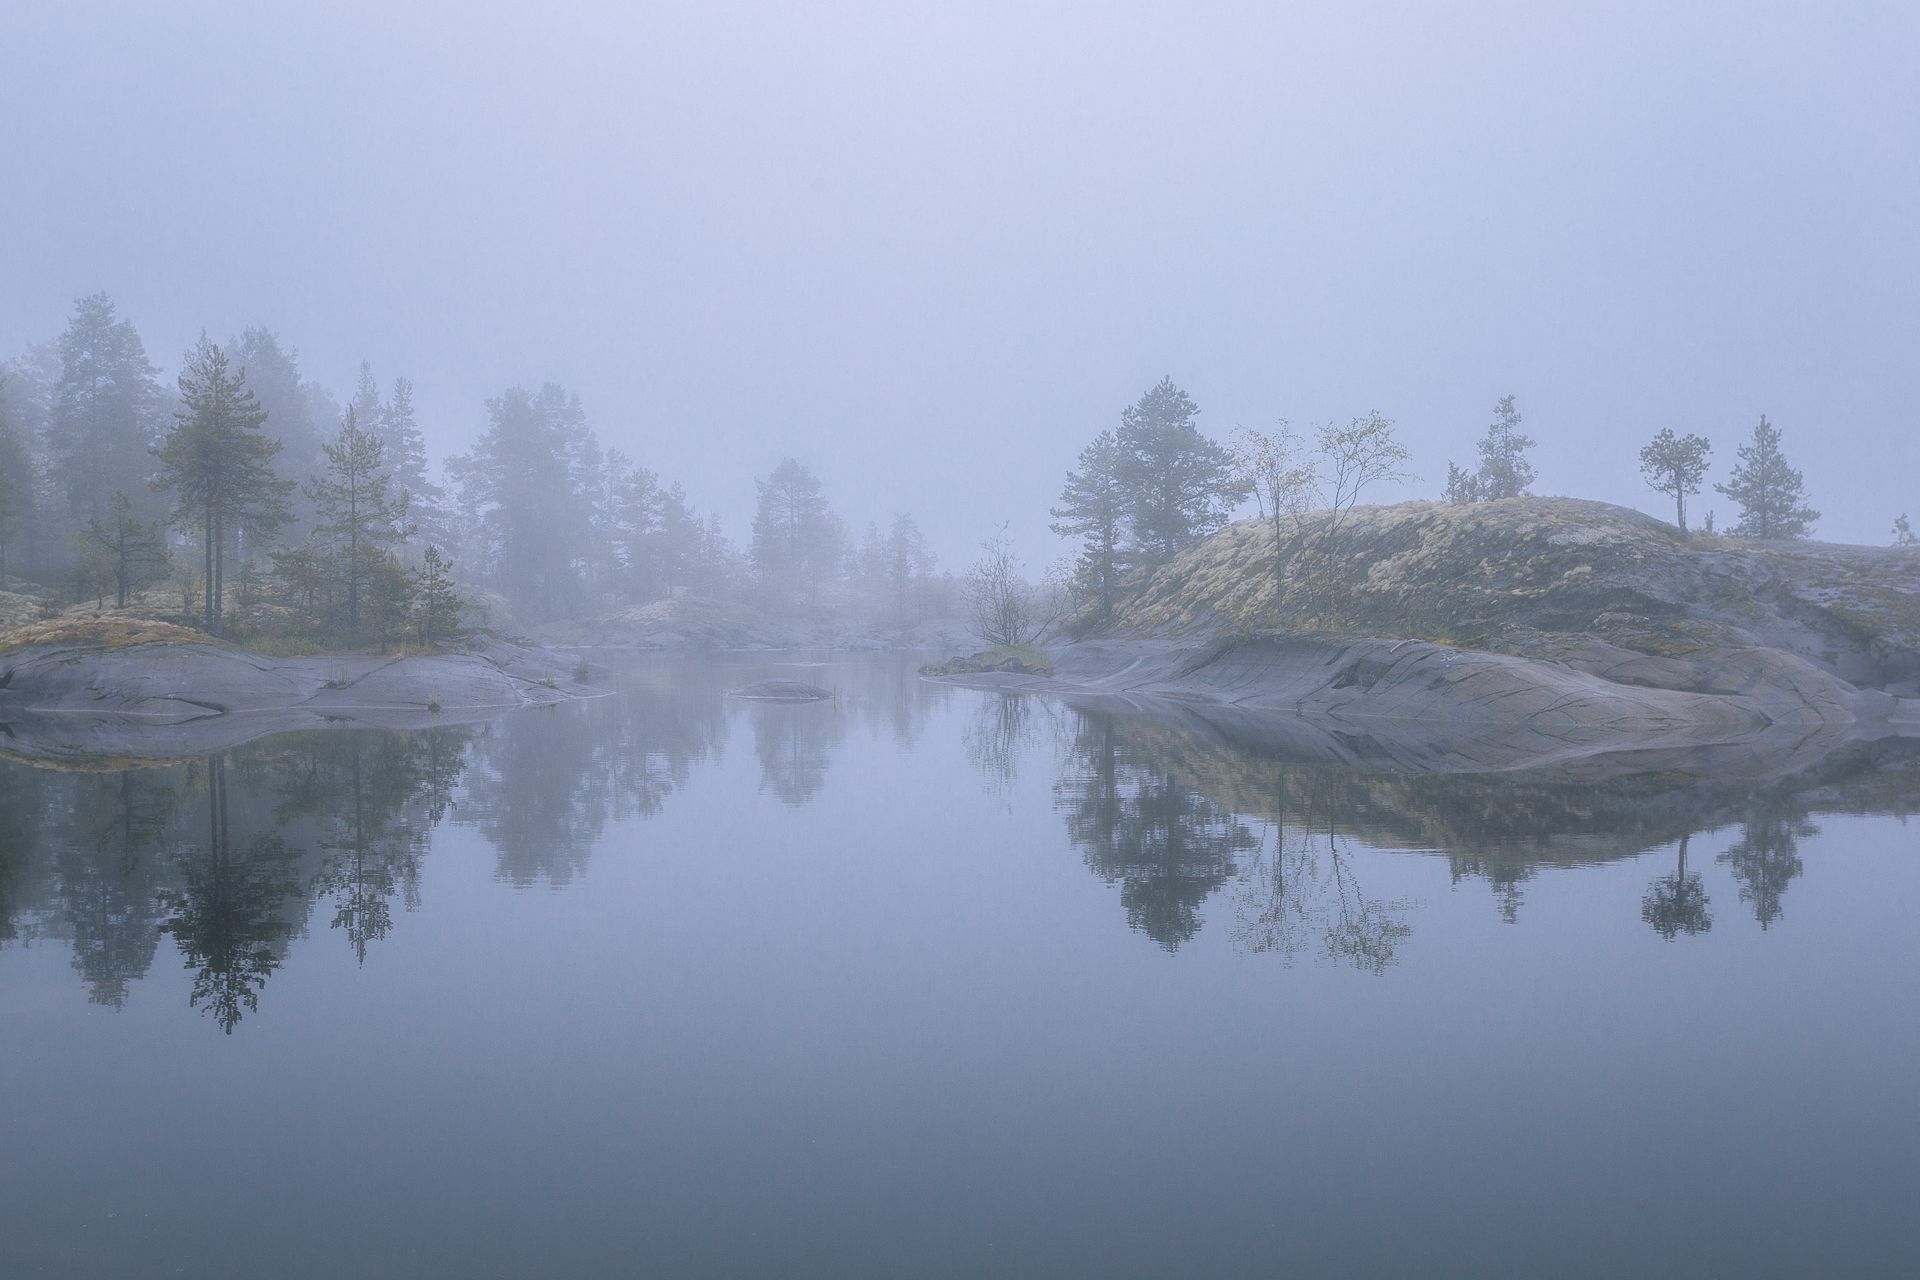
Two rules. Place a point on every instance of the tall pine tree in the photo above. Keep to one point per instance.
(218, 463)
(406, 450)
(1093, 508)
(1770, 493)
(105, 407)
(528, 523)
(1178, 482)
(361, 517)
(16, 481)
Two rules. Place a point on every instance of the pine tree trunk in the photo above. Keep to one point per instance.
(207, 536)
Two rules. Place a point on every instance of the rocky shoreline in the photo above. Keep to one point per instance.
(170, 698)
(1418, 705)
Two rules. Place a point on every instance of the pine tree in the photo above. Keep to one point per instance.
(123, 552)
(360, 515)
(634, 526)
(273, 374)
(1178, 483)
(104, 408)
(1463, 487)
(1772, 504)
(436, 604)
(1504, 469)
(390, 600)
(528, 522)
(680, 539)
(16, 481)
(1093, 508)
(1903, 535)
(1675, 465)
(219, 464)
(909, 563)
(793, 536)
(407, 462)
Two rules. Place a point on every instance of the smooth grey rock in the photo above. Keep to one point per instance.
(168, 700)
(1412, 704)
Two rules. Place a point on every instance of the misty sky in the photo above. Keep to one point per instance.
(932, 248)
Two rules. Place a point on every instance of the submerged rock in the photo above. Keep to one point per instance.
(783, 691)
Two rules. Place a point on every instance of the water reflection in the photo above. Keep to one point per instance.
(1167, 846)
(231, 858)
(236, 902)
(794, 744)
(1502, 828)
(111, 885)
(1767, 858)
(373, 800)
(541, 786)
(1678, 903)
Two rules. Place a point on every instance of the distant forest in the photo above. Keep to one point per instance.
(247, 481)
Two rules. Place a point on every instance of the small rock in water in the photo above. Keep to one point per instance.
(783, 691)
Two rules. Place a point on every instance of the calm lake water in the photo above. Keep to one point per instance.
(938, 982)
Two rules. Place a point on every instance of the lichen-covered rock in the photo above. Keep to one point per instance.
(1009, 659)
(1531, 576)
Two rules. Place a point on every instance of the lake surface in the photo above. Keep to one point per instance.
(931, 981)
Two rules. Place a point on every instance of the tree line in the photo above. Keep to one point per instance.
(252, 488)
(1141, 493)
(251, 485)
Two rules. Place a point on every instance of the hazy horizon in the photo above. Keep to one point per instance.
(932, 253)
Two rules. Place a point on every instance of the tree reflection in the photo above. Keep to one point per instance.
(237, 904)
(1301, 888)
(1002, 728)
(1677, 904)
(794, 744)
(374, 799)
(21, 822)
(1767, 858)
(1166, 845)
(539, 790)
(656, 743)
(110, 882)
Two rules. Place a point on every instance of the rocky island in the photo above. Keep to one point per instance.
(1510, 634)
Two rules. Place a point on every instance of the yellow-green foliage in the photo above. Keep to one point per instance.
(1025, 654)
(1505, 575)
(109, 632)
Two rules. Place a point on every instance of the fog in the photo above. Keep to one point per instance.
(931, 250)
